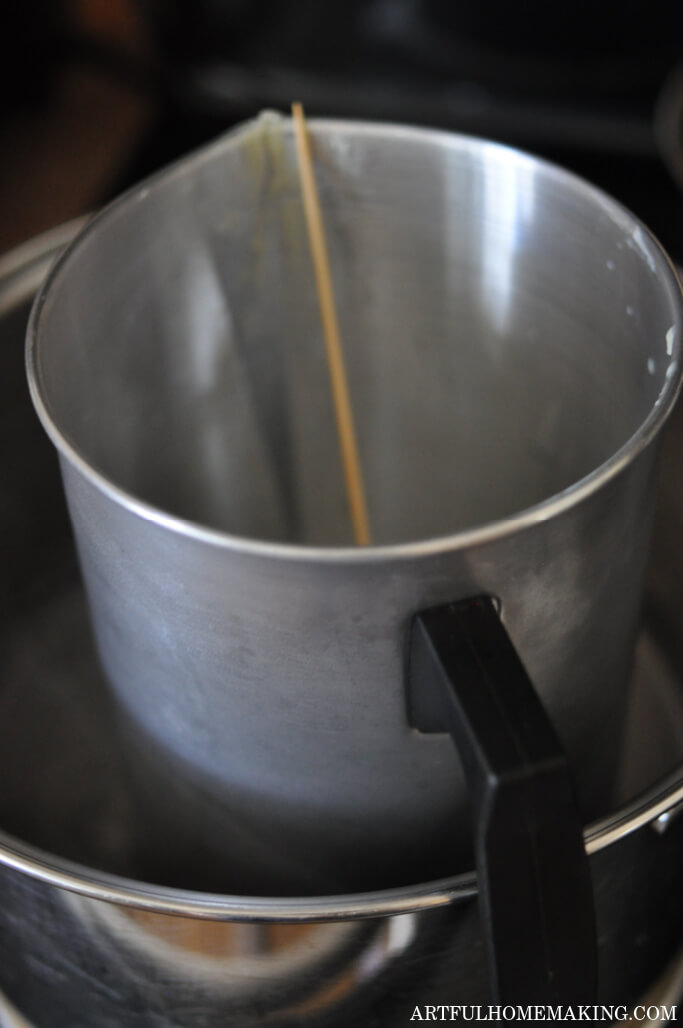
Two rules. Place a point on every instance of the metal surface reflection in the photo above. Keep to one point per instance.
(507, 216)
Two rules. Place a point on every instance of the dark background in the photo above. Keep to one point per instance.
(98, 93)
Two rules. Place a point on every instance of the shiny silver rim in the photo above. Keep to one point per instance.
(650, 806)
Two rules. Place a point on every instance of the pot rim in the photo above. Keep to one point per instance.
(656, 804)
(651, 250)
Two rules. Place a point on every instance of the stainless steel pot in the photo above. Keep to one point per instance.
(513, 339)
(88, 935)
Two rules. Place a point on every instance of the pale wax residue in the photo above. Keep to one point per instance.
(269, 150)
(638, 242)
(670, 336)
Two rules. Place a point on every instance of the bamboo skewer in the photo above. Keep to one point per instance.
(330, 324)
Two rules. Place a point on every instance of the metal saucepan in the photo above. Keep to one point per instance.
(513, 339)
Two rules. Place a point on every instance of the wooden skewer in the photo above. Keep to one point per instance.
(333, 344)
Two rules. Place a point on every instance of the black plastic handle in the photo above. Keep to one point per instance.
(535, 893)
